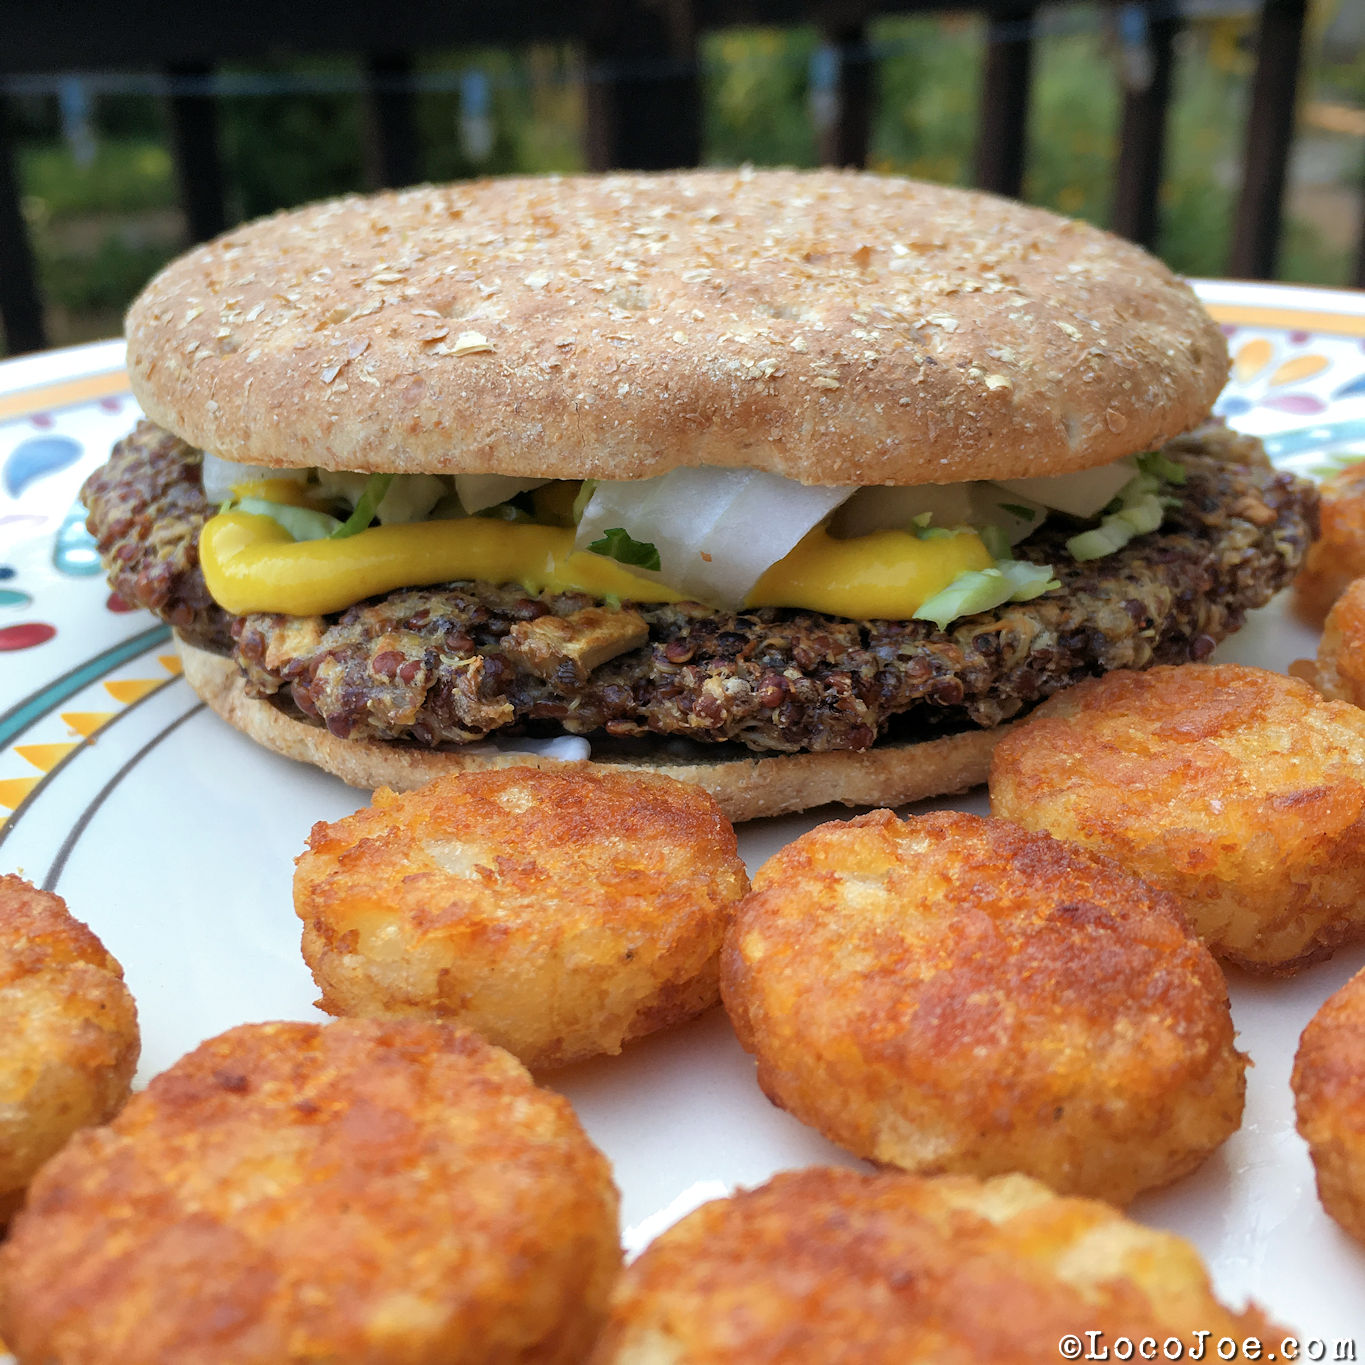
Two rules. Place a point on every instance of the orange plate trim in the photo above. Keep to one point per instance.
(63, 393)
(1287, 319)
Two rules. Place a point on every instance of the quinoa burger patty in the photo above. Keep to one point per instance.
(440, 666)
(802, 483)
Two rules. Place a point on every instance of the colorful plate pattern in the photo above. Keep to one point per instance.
(174, 837)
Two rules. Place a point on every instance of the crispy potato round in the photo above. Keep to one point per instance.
(69, 1028)
(1329, 1097)
(1339, 670)
(1338, 555)
(559, 912)
(1240, 791)
(836, 1266)
(953, 994)
(364, 1191)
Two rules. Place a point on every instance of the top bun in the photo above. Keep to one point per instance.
(833, 326)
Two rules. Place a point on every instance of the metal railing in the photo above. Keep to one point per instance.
(643, 91)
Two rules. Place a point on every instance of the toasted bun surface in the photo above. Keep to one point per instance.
(834, 327)
(744, 788)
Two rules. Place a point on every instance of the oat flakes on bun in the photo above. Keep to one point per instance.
(800, 484)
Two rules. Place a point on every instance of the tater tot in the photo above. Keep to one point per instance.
(1329, 1096)
(952, 994)
(1338, 555)
(561, 913)
(1240, 791)
(69, 1030)
(362, 1192)
(1339, 670)
(841, 1268)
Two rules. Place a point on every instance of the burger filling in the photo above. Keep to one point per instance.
(440, 612)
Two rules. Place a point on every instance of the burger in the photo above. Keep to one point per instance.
(799, 485)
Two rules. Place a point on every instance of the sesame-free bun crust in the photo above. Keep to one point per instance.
(744, 788)
(831, 326)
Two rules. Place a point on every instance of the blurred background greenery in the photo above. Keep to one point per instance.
(100, 193)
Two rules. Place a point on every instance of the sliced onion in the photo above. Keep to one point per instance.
(221, 476)
(898, 508)
(410, 498)
(343, 485)
(716, 530)
(1084, 493)
(303, 523)
(927, 505)
(478, 491)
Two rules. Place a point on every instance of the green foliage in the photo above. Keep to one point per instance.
(927, 87)
(101, 229)
(754, 97)
(123, 177)
(536, 113)
(1073, 127)
(287, 149)
(617, 543)
(102, 279)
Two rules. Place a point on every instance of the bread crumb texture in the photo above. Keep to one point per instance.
(950, 994)
(386, 1193)
(891, 1269)
(1329, 1097)
(69, 1031)
(560, 912)
(836, 327)
(1338, 555)
(1238, 790)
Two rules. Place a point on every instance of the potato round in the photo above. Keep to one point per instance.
(1240, 791)
(1329, 1097)
(952, 994)
(1339, 669)
(362, 1191)
(839, 1267)
(69, 1028)
(1338, 556)
(560, 913)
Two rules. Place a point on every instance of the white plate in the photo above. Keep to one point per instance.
(174, 837)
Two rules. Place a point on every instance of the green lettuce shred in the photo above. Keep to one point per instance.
(616, 543)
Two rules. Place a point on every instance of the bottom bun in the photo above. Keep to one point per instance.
(746, 787)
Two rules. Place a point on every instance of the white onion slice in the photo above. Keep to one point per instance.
(1084, 493)
(716, 530)
(477, 491)
(221, 476)
(410, 498)
(566, 748)
(946, 504)
(895, 508)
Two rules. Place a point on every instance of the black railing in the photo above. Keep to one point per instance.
(643, 92)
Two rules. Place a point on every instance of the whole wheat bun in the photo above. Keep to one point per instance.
(745, 788)
(831, 326)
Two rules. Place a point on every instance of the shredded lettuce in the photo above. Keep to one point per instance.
(303, 523)
(1010, 580)
(617, 544)
(366, 506)
(1160, 466)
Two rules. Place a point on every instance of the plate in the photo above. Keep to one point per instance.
(174, 837)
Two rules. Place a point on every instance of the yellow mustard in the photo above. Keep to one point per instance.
(251, 563)
(290, 491)
(886, 575)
